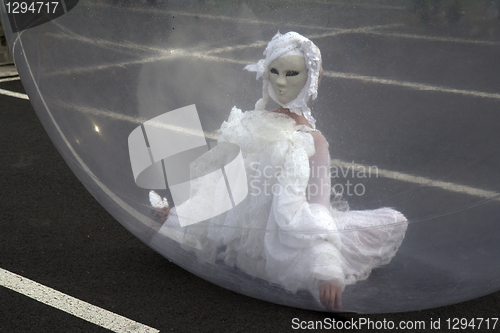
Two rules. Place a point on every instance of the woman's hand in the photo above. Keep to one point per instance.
(162, 213)
(330, 295)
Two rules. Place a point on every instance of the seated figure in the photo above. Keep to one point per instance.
(287, 231)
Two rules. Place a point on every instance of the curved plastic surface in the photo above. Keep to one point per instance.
(408, 102)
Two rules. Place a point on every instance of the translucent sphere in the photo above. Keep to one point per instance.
(133, 94)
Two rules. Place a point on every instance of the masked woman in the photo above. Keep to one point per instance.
(287, 231)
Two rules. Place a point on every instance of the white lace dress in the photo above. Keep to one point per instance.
(276, 234)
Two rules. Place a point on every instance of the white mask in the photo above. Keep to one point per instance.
(283, 46)
(287, 76)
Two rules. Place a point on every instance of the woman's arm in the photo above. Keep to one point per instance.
(319, 186)
(318, 192)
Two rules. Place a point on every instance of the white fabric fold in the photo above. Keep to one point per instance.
(277, 234)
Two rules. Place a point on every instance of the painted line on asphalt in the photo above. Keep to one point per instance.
(216, 17)
(329, 74)
(458, 188)
(400, 176)
(145, 220)
(386, 34)
(434, 38)
(353, 4)
(203, 54)
(315, 27)
(331, 33)
(8, 79)
(71, 305)
(422, 181)
(137, 120)
(167, 55)
(170, 53)
(411, 85)
(13, 94)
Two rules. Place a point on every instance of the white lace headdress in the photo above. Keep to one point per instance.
(290, 43)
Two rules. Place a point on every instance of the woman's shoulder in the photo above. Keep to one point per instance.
(316, 143)
(319, 139)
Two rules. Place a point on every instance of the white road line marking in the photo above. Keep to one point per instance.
(71, 35)
(433, 38)
(386, 173)
(295, 26)
(133, 46)
(229, 18)
(102, 112)
(71, 305)
(329, 74)
(166, 54)
(350, 4)
(361, 30)
(216, 17)
(129, 45)
(332, 32)
(122, 64)
(8, 79)
(412, 85)
(136, 120)
(147, 221)
(367, 5)
(423, 181)
(205, 55)
(458, 188)
(13, 94)
(7, 71)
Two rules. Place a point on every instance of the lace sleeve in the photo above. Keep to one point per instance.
(319, 186)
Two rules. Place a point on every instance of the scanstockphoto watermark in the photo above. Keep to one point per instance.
(362, 323)
(324, 180)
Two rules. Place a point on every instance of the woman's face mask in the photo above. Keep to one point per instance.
(287, 76)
